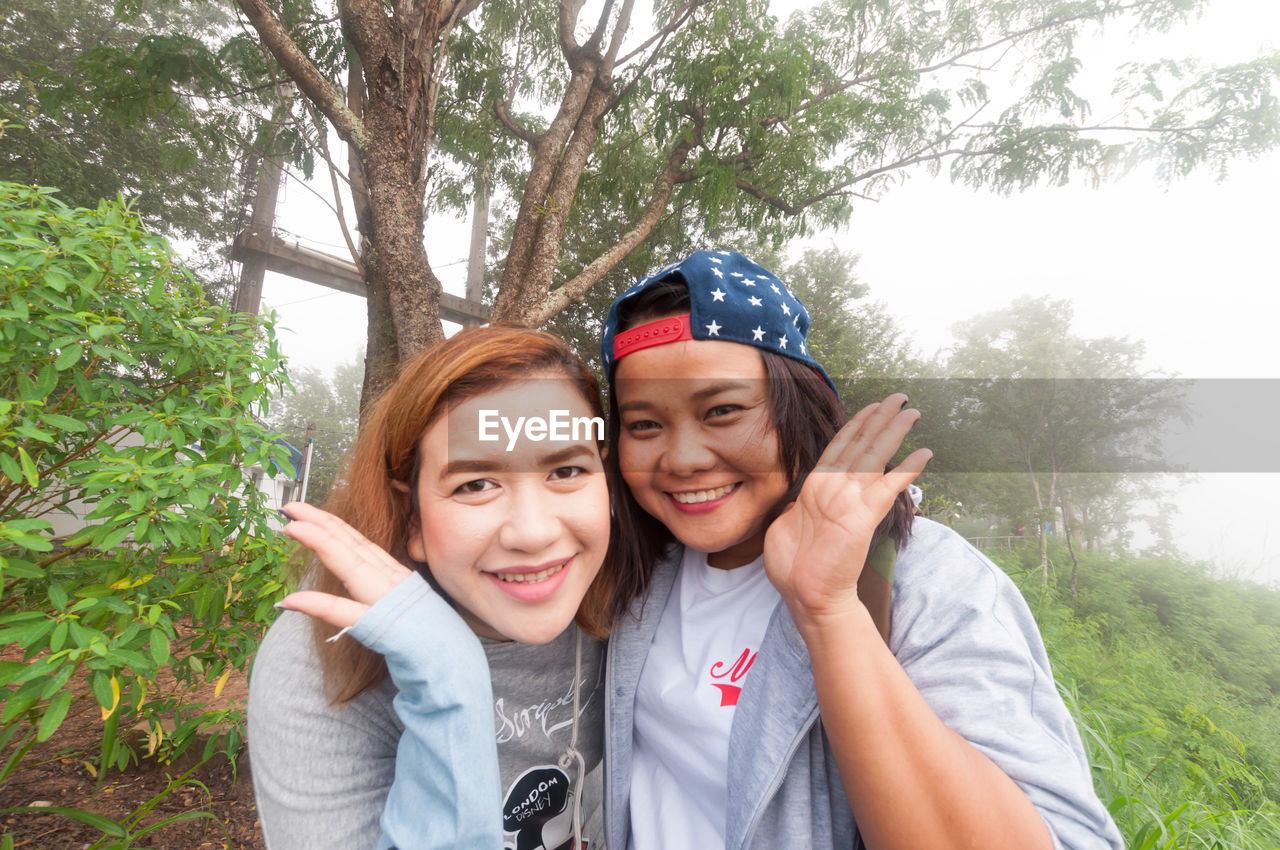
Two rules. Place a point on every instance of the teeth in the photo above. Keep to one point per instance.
(695, 496)
(530, 578)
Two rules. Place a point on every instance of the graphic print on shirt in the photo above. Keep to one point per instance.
(731, 675)
(546, 716)
(536, 814)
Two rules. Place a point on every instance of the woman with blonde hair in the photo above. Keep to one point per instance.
(450, 543)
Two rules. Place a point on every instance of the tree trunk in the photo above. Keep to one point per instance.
(403, 300)
(1068, 528)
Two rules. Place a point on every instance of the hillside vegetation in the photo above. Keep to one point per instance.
(1174, 676)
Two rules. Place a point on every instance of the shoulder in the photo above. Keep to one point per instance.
(286, 687)
(320, 771)
(937, 561)
(934, 550)
(944, 589)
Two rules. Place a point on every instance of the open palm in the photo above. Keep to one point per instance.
(815, 551)
(365, 569)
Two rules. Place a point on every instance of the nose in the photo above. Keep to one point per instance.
(687, 452)
(531, 524)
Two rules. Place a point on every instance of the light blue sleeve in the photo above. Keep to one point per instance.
(447, 791)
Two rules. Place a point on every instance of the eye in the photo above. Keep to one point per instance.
(479, 485)
(641, 427)
(561, 473)
(724, 410)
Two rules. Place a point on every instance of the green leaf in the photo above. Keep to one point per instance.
(160, 647)
(106, 826)
(64, 423)
(59, 637)
(69, 357)
(28, 467)
(10, 468)
(53, 716)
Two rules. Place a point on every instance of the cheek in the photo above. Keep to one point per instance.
(635, 459)
(592, 515)
(450, 537)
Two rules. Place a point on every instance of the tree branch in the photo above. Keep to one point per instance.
(677, 21)
(569, 11)
(310, 81)
(573, 290)
(518, 130)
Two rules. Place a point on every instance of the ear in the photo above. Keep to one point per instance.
(414, 546)
(399, 486)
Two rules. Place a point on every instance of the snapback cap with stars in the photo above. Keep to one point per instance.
(731, 299)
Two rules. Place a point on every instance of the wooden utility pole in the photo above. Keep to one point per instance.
(259, 250)
(253, 268)
(479, 235)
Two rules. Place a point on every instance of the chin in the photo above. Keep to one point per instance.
(535, 633)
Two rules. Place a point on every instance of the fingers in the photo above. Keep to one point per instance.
(364, 568)
(869, 440)
(334, 610)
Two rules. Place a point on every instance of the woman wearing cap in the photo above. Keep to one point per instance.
(905, 706)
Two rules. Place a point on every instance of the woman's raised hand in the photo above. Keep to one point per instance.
(364, 568)
(815, 551)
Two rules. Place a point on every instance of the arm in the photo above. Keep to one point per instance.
(320, 771)
(446, 791)
(911, 781)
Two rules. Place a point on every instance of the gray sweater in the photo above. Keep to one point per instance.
(321, 772)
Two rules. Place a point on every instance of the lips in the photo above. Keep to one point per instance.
(532, 583)
(693, 497)
(530, 578)
(702, 501)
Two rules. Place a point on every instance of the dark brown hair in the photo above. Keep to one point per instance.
(804, 411)
(374, 495)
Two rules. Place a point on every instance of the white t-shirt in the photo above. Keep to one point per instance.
(706, 641)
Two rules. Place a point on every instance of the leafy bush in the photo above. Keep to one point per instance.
(125, 401)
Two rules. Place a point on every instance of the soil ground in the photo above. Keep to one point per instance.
(54, 773)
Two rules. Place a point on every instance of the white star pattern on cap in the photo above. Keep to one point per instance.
(704, 273)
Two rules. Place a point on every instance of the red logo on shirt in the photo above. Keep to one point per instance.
(734, 673)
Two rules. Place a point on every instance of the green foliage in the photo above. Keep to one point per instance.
(1172, 676)
(129, 545)
(1036, 424)
(105, 100)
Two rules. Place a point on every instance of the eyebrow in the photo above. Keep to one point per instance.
(485, 465)
(701, 395)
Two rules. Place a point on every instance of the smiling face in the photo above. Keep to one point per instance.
(514, 537)
(697, 446)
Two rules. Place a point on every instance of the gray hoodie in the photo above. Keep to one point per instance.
(968, 642)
